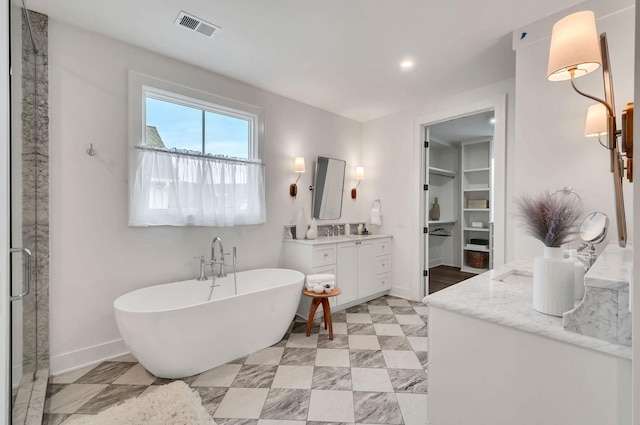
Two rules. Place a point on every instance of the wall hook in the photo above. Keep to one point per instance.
(91, 151)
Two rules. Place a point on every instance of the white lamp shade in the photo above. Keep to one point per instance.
(596, 124)
(359, 173)
(298, 167)
(574, 45)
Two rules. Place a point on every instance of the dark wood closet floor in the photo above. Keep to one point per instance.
(444, 276)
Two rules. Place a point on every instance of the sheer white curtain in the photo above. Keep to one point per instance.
(185, 189)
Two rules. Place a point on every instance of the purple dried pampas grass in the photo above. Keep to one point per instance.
(550, 219)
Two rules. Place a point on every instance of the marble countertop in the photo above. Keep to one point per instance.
(504, 296)
(336, 239)
(612, 269)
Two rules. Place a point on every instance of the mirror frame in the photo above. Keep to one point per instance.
(317, 197)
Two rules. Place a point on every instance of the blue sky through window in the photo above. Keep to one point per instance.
(181, 127)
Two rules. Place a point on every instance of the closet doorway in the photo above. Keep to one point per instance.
(459, 199)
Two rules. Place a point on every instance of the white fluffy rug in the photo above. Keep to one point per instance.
(171, 404)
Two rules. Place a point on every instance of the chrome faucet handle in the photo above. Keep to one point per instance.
(202, 268)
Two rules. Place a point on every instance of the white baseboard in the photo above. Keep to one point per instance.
(73, 360)
(407, 294)
(435, 262)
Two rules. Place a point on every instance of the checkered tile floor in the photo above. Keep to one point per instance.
(373, 372)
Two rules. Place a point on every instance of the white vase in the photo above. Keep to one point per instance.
(301, 225)
(553, 283)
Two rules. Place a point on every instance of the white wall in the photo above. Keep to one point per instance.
(95, 257)
(550, 149)
(389, 153)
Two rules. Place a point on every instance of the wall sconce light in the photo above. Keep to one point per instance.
(299, 168)
(596, 123)
(359, 177)
(576, 51)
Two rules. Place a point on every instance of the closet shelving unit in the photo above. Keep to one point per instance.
(476, 187)
(444, 184)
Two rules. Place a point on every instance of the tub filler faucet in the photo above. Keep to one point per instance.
(214, 261)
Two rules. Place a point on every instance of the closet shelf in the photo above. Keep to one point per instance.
(442, 172)
(443, 221)
(476, 209)
(476, 170)
(477, 189)
(475, 229)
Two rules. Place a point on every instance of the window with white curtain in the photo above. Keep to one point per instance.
(195, 157)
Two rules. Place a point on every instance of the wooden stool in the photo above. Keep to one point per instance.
(322, 298)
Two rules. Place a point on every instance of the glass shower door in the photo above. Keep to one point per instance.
(28, 365)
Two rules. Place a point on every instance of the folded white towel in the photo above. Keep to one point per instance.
(320, 278)
(376, 218)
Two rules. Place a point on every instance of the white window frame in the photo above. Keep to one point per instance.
(140, 85)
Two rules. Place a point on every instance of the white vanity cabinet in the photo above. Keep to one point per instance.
(362, 266)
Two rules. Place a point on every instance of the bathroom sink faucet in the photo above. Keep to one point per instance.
(214, 261)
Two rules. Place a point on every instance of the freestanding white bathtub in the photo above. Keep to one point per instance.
(175, 332)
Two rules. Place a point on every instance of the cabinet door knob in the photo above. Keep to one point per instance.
(382, 246)
(326, 254)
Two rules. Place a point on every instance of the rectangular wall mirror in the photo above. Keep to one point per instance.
(328, 188)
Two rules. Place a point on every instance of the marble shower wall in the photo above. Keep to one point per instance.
(35, 189)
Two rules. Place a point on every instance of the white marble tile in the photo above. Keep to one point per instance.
(71, 398)
(242, 403)
(137, 375)
(267, 356)
(279, 422)
(409, 319)
(303, 341)
(413, 408)
(422, 311)
(293, 377)
(396, 302)
(396, 359)
(419, 343)
(375, 380)
(338, 329)
(388, 329)
(221, 376)
(358, 318)
(71, 377)
(363, 342)
(331, 406)
(380, 309)
(332, 357)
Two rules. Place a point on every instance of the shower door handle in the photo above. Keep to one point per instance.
(27, 273)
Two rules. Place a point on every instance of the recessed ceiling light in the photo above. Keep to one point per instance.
(406, 64)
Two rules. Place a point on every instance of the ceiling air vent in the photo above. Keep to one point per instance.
(196, 24)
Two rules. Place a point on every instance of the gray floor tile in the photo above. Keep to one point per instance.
(402, 310)
(340, 317)
(255, 376)
(377, 408)
(384, 318)
(367, 358)
(408, 380)
(393, 343)
(286, 404)
(360, 308)
(360, 329)
(110, 396)
(105, 373)
(331, 378)
(211, 397)
(299, 356)
(339, 341)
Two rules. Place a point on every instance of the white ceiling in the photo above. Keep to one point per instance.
(338, 55)
(465, 128)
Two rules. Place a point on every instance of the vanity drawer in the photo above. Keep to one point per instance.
(383, 281)
(324, 255)
(382, 247)
(382, 264)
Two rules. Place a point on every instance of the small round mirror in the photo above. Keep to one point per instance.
(594, 228)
